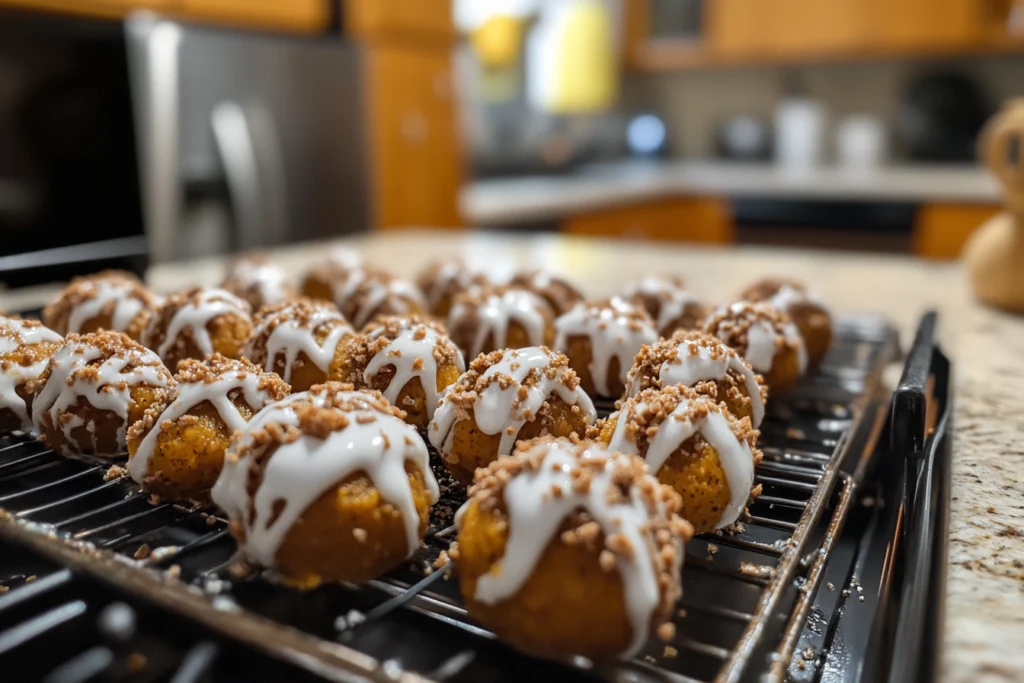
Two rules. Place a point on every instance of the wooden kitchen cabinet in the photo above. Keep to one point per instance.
(289, 15)
(941, 230)
(416, 164)
(110, 9)
(914, 25)
(679, 219)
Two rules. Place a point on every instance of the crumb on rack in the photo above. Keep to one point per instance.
(670, 652)
(31, 579)
(142, 552)
(712, 550)
(174, 571)
(115, 472)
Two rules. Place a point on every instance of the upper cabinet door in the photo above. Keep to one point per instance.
(402, 19)
(286, 15)
(898, 25)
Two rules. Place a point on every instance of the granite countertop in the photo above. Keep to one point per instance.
(985, 598)
(529, 198)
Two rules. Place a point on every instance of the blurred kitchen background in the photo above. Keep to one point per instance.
(137, 131)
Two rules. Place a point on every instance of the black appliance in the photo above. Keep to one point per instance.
(837, 576)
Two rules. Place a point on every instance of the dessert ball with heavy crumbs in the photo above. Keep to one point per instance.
(93, 388)
(490, 319)
(197, 322)
(766, 338)
(672, 307)
(705, 364)
(601, 339)
(111, 300)
(177, 449)
(808, 313)
(25, 348)
(693, 444)
(379, 294)
(569, 548)
(409, 360)
(298, 340)
(258, 281)
(326, 279)
(443, 280)
(560, 294)
(505, 397)
(327, 487)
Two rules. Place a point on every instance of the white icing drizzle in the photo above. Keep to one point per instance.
(291, 337)
(497, 312)
(674, 306)
(734, 455)
(446, 273)
(651, 285)
(345, 257)
(120, 292)
(500, 408)
(672, 298)
(535, 515)
(13, 335)
(761, 338)
(191, 394)
(613, 333)
(402, 353)
(269, 279)
(109, 391)
(403, 295)
(687, 369)
(196, 314)
(300, 472)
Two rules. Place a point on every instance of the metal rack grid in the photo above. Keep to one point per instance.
(745, 600)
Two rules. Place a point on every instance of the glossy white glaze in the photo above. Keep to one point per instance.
(290, 337)
(411, 354)
(734, 455)
(118, 292)
(613, 333)
(501, 408)
(762, 341)
(196, 315)
(298, 473)
(404, 298)
(535, 515)
(191, 394)
(269, 279)
(15, 334)
(108, 391)
(495, 315)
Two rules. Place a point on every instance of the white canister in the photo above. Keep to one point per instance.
(799, 133)
(861, 142)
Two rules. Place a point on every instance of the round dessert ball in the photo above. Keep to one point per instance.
(569, 548)
(26, 346)
(94, 387)
(298, 340)
(197, 322)
(443, 280)
(505, 397)
(409, 360)
(495, 318)
(693, 444)
(601, 339)
(328, 279)
(379, 294)
(332, 490)
(177, 449)
(807, 312)
(766, 338)
(258, 281)
(556, 290)
(111, 300)
(705, 364)
(668, 302)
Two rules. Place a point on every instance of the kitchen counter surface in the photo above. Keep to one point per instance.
(985, 600)
(510, 200)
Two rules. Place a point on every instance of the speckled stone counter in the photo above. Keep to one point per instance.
(985, 603)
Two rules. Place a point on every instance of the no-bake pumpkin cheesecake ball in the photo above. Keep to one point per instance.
(505, 397)
(93, 388)
(177, 449)
(411, 361)
(379, 294)
(330, 278)
(807, 312)
(693, 444)
(601, 339)
(570, 548)
(26, 346)
(258, 281)
(672, 307)
(327, 487)
(766, 338)
(442, 280)
(298, 340)
(704, 363)
(110, 300)
(560, 294)
(489, 319)
(197, 322)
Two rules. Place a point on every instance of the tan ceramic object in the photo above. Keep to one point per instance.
(994, 255)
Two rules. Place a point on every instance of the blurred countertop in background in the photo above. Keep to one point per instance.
(541, 197)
